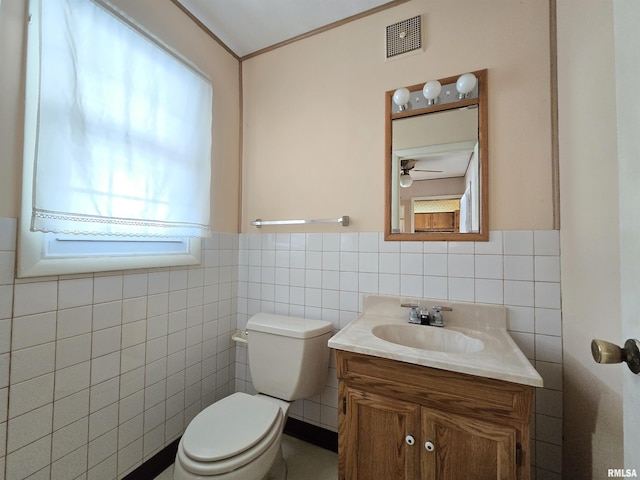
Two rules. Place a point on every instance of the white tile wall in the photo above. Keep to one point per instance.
(324, 276)
(99, 372)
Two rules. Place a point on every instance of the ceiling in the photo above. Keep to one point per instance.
(432, 162)
(249, 26)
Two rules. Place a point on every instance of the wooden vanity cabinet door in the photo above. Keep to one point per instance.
(466, 448)
(372, 439)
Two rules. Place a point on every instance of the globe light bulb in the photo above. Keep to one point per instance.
(401, 98)
(431, 90)
(405, 180)
(465, 84)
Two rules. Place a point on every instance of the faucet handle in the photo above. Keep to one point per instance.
(436, 318)
(438, 308)
(409, 305)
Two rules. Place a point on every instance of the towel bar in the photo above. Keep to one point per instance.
(258, 222)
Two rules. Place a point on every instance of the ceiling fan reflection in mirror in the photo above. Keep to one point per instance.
(409, 164)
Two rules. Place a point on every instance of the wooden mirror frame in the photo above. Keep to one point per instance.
(483, 162)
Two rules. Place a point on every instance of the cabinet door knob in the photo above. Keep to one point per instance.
(409, 439)
(429, 446)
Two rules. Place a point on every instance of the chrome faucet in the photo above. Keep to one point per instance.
(423, 317)
(436, 318)
(414, 316)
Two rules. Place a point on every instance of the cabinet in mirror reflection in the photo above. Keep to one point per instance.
(436, 164)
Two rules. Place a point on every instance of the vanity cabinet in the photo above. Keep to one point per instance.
(403, 421)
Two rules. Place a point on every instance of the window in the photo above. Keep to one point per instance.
(117, 145)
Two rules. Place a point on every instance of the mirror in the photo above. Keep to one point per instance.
(436, 183)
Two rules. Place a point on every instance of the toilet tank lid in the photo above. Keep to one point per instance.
(295, 327)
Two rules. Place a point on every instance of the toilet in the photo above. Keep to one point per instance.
(239, 437)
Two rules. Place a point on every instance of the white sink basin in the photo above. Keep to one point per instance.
(474, 340)
(428, 338)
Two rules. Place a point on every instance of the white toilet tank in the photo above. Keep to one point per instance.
(288, 356)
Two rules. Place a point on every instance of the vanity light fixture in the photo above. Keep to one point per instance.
(405, 100)
(466, 82)
(461, 120)
(401, 98)
(405, 179)
(431, 91)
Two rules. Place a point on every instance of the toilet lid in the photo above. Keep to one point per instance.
(229, 427)
(293, 327)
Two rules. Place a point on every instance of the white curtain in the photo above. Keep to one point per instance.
(123, 144)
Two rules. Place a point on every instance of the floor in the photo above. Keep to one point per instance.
(305, 461)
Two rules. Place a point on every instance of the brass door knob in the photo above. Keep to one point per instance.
(607, 352)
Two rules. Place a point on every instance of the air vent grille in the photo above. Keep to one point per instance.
(403, 37)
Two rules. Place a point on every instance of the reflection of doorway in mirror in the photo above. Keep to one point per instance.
(435, 214)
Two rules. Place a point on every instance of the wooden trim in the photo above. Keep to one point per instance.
(302, 36)
(555, 148)
(388, 140)
(483, 127)
(330, 26)
(205, 28)
(240, 148)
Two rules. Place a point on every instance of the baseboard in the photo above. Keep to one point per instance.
(156, 464)
(296, 428)
(313, 434)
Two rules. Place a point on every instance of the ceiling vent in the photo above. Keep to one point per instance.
(403, 37)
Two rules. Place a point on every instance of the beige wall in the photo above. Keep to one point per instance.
(168, 22)
(314, 112)
(11, 107)
(589, 236)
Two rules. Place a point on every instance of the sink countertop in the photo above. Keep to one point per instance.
(500, 359)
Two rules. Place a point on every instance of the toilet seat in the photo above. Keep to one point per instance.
(229, 434)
